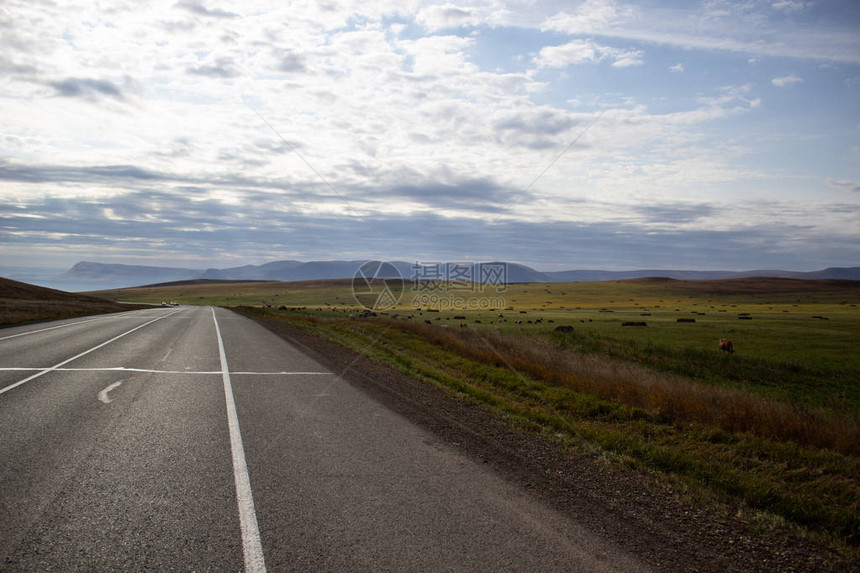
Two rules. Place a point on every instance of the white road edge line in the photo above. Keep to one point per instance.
(252, 547)
(85, 352)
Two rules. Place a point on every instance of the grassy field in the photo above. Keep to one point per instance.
(771, 431)
(337, 293)
(782, 350)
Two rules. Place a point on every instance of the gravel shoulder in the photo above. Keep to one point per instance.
(642, 516)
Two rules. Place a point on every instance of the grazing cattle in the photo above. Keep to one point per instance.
(726, 345)
(462, 325)
(564, 328)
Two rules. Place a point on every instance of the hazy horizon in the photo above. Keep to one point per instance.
(555, 268)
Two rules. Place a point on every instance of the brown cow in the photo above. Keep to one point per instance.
(726, 345)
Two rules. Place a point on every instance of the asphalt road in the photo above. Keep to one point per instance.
(194, 439)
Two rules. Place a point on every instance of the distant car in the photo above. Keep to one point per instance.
(174, 303)
(164, 304)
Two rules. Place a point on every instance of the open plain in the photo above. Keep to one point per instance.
(583, 425)
(767, 435)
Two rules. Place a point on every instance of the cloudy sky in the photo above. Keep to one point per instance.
(575, 134)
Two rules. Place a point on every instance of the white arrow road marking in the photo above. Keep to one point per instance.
(103, 395)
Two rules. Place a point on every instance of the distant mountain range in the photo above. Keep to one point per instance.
(87, 275)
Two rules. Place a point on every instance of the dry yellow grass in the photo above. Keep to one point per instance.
(679, 399)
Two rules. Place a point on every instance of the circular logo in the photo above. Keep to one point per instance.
(377, 285)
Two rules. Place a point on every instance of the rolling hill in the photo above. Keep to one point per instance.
(89, 276)
(22, 302)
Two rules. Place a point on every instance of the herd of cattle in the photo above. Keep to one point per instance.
(724, 345)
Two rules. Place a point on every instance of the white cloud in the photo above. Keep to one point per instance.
(786, 81)
(751, 28)
(846, 185)
(450, 16)
(790, 5)
(586, 52)
(145, 113)
(589, 17)
(447, 16)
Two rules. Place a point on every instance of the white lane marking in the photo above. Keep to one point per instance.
(164, 358)
(148, 371)
(282, 373)
(123, 314)
(251, 544)
(103, 395)
(51, 328)
(85, 352)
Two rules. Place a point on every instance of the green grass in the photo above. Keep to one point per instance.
(811, 487)
(794, 373)
(783, 353)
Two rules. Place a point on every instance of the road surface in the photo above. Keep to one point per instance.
(192, 438)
